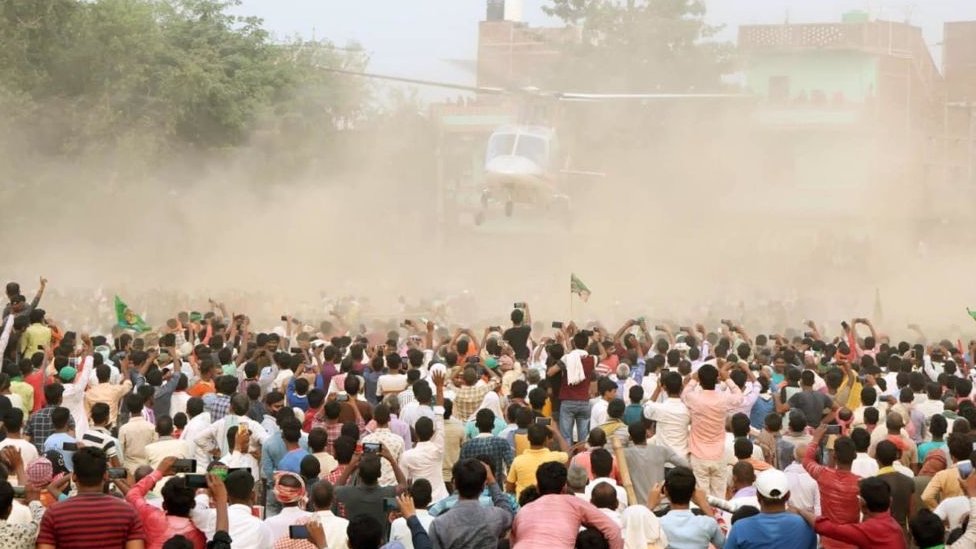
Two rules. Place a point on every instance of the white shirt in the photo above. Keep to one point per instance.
(621, 492)
(414, 411)
(157, 451)
(864, 465)
(189, 436)
(930, 408)
(804, 492)
(74, 397)
(858, 421)
(399, 531)
(177, 403)
(279, 523)
(335, 528)
(27, 451)
(953, 510)
(426, 459)
(390, 383)
(215, 434)
(598, 412)
(672, 419)
(114, 376)
(247, 530)
(237, 459)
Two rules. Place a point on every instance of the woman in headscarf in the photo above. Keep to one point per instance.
(492, 401)
(642, 530)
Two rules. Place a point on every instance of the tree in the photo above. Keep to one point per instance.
(640, 46)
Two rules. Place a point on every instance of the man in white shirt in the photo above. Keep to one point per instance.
(289, 490)
(426, 459)
(247, 530)
(165, 446)
(199, 421)
(390, 441)
(607, 390)
(14, 421)
(239, 455)
(672, 415)
(75, 383)
(602, 464)
(869, 398)
(390, 383)
(419, 407)
(864, 465)
(804, 492)
(323, 493)
(933, 404)
(399, 531)
(214, 436)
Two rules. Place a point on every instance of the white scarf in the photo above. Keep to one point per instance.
(574, 366)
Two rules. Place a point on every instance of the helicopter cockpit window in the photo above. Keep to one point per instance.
(533, 148)
(501, 144)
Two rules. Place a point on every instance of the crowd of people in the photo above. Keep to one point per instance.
(207, 433)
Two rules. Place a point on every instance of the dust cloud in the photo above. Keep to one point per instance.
(700, 217)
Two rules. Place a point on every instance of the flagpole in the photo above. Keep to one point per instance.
(570, 297)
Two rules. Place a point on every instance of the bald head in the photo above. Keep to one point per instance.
(894, 423)
(800, 451)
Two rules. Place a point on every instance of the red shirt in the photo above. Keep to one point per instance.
(881, 530)
(309, 418)
(90, 520)
(838, 497)
(36, 380)
(580, 391)
(160, 526)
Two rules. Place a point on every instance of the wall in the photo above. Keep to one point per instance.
(852, 73)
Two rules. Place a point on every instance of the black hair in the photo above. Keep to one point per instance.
(344, 447)
(424, 429)
(194, 406)
(317, 440)
(886, 453)
(60, 417)
(742, 448)
(550, 478)
(601, 462)
(90, 466)
(844, 450)
(876, 494)
(365, 532)
(680, 485)
(420, 491)
(164, 426)
(927, 529)
(707, 376)
(469, 477)
(861, 438)
(178, 497)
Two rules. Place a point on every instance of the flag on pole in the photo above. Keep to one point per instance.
(577, 287)
(971, 313)
(128, 320)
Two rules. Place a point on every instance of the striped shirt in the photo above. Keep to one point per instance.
(100, 438)
(90, 520)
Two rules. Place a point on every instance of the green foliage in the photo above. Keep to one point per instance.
(157, 74)
(640, 46)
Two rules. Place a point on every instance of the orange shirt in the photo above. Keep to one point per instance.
(202, 388)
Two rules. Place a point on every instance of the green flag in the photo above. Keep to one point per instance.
(126, 319)
(577, 287)
(971, 313)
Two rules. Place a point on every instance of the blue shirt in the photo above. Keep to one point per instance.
(293, 461)
(484, 499)
(685, 530)
(633, 413)
(771, 531)
(273, 451)
(56, 442)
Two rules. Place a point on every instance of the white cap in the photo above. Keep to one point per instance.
(772, 484)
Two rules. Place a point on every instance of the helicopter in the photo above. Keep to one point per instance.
(523, 163)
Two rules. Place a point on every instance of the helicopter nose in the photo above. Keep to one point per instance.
(512, 165)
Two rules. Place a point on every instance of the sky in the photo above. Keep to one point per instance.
(418, 37)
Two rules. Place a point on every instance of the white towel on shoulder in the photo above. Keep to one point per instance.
(574, 366)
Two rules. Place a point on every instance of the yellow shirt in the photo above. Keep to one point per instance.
(35, 338)
(522, 472)
(26, 393)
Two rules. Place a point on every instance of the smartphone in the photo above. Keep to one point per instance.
(69, 446)
(298, 531)
(557, 325)
(372, 447)
(284, 318)
(543, 420)
(342, 397)
(117, 473)
(519, 305)
(185, 466)
(833, 429)
(20, 491)
(196, 481)
(965, 468)
(295, 350)
(390, 505)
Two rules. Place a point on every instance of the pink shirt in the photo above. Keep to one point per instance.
(554, 521)
(708, 410)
